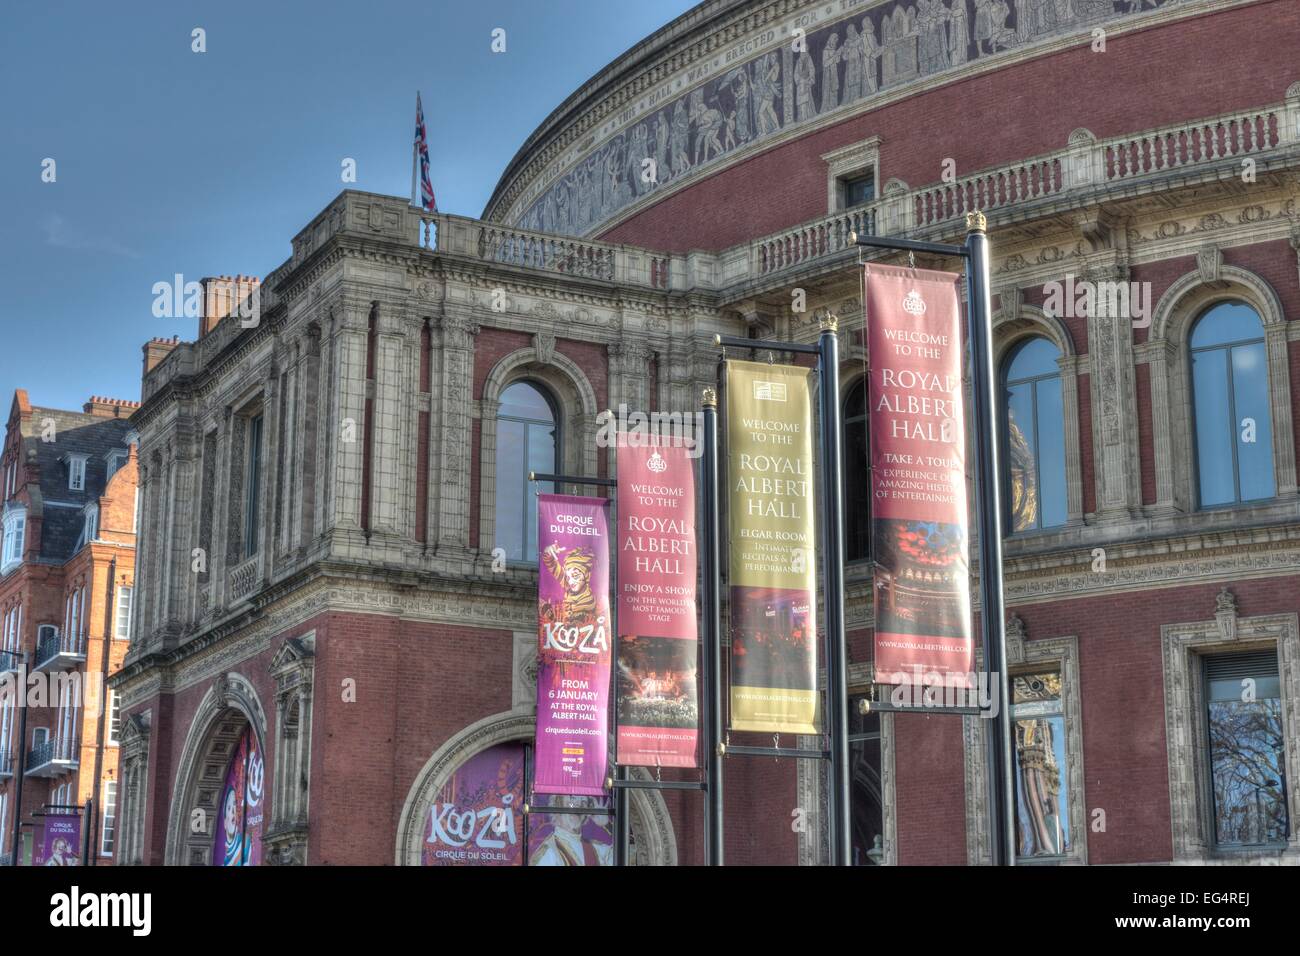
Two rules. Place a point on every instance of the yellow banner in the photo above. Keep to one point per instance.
(772, 571)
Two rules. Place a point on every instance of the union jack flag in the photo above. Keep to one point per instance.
(427, 199)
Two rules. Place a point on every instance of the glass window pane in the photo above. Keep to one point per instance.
(1253, 421)
(1037, 356)
(523, 400)
(512, 488)
(1247, 763)
(1227, 322)
(1042, 799)
(1021, 453)
(1042, 780)
(1214, 431)
(1051, 453)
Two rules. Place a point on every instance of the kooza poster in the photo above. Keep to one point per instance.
(573, 633)
(476, 819)
(658, 699)
(772, 569)
(918, 478)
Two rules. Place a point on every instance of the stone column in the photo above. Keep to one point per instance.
(455, 388)
(1114, 403)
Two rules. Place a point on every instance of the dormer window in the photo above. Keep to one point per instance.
(77, 472)
(90, 527)
(116, 459)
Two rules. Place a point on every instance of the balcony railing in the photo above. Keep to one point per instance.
(1079, 173)
(9, 661)
(243, 579)
(53, 758)
(60, 652)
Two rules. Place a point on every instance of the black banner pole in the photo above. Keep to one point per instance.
(712, 631)
(833, 559)
(988, 490)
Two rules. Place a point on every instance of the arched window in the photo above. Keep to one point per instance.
(857, 483)
(527, 439)
(1233, 430)
(1033, 437)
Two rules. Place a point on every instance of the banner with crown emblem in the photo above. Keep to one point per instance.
(919, 528)
(574, 647)
(658, 650)
(772, 572)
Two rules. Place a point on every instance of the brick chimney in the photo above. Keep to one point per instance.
(102, 407)
(222, 295)
(155, 350)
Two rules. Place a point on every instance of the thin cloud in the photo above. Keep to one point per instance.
(57, 234)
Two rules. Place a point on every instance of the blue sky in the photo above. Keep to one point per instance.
(207, 163)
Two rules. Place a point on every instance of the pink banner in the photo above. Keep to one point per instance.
(573, 634)
(920, 530)
(658, 698)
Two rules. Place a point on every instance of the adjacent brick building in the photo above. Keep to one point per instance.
(66, 583)
(338, 598)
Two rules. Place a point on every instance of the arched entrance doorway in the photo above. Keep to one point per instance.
(219, 805)
(465, 809)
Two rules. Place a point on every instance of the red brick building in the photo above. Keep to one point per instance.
(66, 582)
(337, 577)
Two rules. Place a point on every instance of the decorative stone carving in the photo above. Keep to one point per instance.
(1225, 614)
(1208, 261)
(544, 344)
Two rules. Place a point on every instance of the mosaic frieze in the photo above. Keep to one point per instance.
(866, 51)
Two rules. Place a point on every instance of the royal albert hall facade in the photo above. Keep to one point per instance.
(335, 635)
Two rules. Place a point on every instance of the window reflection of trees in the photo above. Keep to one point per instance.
(1246, 747)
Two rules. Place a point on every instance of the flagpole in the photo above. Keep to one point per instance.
(415, 157)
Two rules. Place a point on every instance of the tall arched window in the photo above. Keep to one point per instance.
(1033, 437)
(527, 439)
(1234, 429)
(857, 475)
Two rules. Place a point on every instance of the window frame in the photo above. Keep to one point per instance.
(1227, 347)
(556, 423)
(77, 471)
(253, 456)
(125, 595)
(108, 820)
(1207, 742)
(1004, 435)
(12, 542)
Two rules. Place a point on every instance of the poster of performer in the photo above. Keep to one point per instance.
(572, 839)
(574, 645)
(772, 569)
(920, 529)
(658, 699)
(61, 842)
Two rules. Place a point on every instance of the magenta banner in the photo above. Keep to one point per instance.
(920, 531)
(573, 636)
(658, 699)
(475, 820)
(61, 843)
